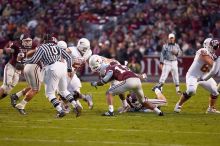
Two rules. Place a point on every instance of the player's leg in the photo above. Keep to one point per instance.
(191, 87)
(14, 97)
(160, 100)
(10, 79)
(175, 75)
(62, 88)
(74, 86)
(125, 106)
(51, 83)
(136, 87)
(164, 74)
(211, 86)
(32, 74)
(115, 89)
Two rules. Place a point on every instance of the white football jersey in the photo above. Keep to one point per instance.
(75, 54)
(198, 67)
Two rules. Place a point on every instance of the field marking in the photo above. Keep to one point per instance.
(117, 130)
(84, 141)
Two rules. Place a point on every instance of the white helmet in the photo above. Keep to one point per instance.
(211, 45)
(206, 42)
(83, 45)
(95, 62)
(62, 44)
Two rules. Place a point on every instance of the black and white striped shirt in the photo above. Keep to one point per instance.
(48, 54)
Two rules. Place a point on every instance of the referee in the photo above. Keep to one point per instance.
(168, 62)
(54, 72)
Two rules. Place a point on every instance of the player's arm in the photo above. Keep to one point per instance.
(104, 80)
(30, 53)
(34, 59)
(213, 71)
(206, 58)
(68, 59)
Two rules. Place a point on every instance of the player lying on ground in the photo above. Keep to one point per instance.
(136, 106)
(129, 81)
(201, 65)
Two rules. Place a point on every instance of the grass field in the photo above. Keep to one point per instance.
(41, 128)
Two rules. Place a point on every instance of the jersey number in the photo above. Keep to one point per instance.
(205, 68)
(54, 50)
(121, 70)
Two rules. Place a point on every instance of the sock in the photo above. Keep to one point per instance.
(111, 108)
(124, 103)
(157, 110)
(19, 94)
(56, 104)
(59, 108)
(23, 103)
(177, 88)
(73, 103)
(157, 91)
(71, 100)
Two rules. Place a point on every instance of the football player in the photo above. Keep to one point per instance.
(201, 65)
(32, 74)
(80, 54)
(13, 68)
(216, 66)
(125, 106)
(129, 81)
(135, 105)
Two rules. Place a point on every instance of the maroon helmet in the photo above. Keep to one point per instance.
(26, 40)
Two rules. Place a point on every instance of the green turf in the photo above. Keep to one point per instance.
(41, 128)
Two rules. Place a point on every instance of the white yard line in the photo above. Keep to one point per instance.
(84, 141)
(116, 130)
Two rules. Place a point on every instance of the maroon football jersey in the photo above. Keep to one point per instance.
(120, 72)
(18, 48)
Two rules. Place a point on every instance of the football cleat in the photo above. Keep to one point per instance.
(212, 111)
(177, 108)
(14, 99)
(77, 110)
(108, 113)
(156, 87)
(60, 114)
(161, 114)
(124, 109)
(20, 109)
(88, 99)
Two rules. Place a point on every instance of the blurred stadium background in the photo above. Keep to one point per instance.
(127, 30)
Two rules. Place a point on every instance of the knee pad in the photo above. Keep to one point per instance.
(187, 96)
(191, 91)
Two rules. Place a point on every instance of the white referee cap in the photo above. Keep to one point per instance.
(171, 35)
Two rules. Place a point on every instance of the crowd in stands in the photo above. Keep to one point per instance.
(138, 27)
